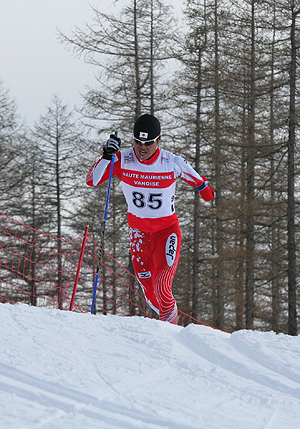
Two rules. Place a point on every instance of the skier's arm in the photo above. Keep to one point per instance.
(190, 176)
(206, 191)
(99, 172)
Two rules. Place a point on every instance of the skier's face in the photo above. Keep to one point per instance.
(145, 152)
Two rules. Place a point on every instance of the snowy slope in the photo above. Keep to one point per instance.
(65, 370)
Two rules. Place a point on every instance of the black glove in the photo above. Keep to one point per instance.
(112, 146)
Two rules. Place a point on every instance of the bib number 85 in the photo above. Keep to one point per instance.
(154, 200)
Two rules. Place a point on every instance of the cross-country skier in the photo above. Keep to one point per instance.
(148, 175)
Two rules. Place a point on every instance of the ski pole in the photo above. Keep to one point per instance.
(103, 231)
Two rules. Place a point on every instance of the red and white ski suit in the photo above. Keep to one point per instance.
(155, 238)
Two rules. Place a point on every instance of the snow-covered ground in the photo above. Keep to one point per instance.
(67, 370)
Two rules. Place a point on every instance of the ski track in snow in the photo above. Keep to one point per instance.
(66, 370)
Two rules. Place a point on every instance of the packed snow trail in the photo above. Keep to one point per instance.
(61, 370)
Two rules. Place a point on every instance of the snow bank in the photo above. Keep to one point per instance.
(65, 370)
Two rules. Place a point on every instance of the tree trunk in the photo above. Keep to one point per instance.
(58, 204)
(196, 255)
(138, 107)
(250, 239)
(292, 318)
(274, 248)
(219, 316)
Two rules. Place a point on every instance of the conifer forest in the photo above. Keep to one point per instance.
(224, 81)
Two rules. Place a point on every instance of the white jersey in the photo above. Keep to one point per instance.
(148, 186)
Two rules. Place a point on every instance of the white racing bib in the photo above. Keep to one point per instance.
(149, 189)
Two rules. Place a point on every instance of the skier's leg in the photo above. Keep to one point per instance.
(141, 250)
(166, 257)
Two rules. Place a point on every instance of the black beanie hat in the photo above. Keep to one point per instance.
(146, 127)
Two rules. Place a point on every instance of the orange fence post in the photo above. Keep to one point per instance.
(78, 268)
